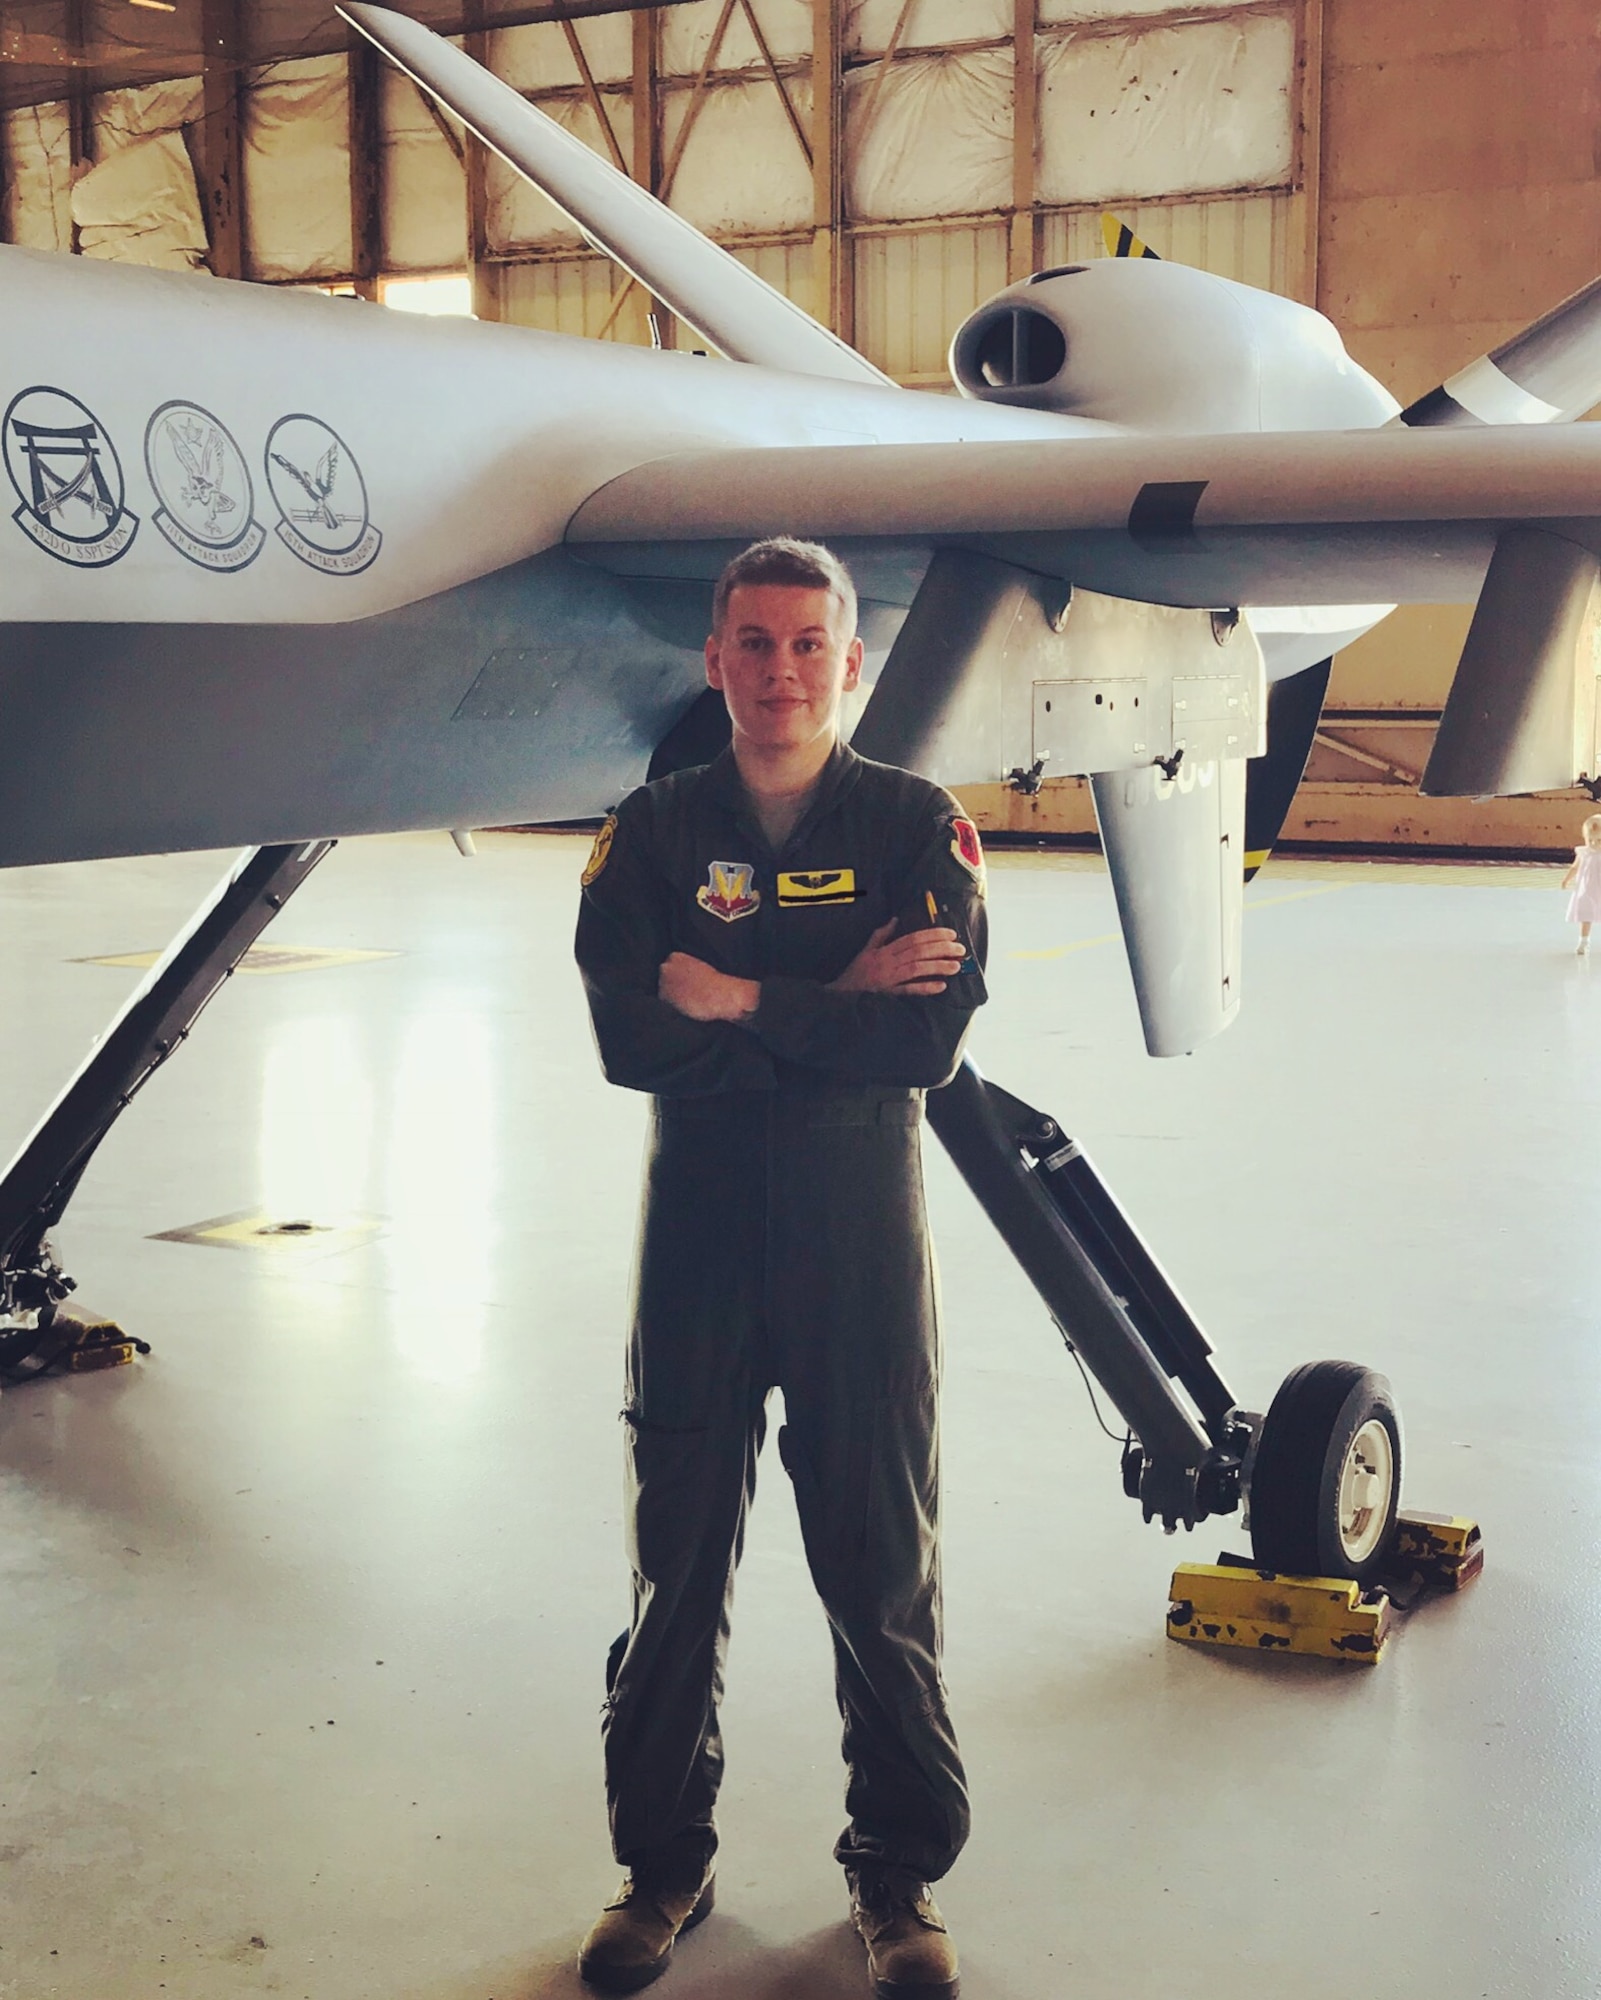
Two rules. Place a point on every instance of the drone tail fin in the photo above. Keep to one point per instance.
(1121, 241)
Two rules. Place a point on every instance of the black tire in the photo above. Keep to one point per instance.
(1320, 1411)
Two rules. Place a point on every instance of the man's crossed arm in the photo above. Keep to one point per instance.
(917, 963)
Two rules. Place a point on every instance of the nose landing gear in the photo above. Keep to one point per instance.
(1320, 1474)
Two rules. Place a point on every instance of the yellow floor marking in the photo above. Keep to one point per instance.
(1062, 950)
(260, 958)
(1427, 874)
(277, 1236)
(1251, 903)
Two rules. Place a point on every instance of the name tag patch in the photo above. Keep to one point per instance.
(821, 885)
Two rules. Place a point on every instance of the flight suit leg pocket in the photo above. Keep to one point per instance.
(671, 1477)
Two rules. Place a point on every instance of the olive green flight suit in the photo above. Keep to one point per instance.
(783, 1243)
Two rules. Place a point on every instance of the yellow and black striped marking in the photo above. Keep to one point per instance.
(1121, 241)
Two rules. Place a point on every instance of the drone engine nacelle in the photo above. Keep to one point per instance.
(1163, 347)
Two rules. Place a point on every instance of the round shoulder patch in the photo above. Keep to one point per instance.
(600, 853)
(965, 846)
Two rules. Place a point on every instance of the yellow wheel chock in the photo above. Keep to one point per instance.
(1231, 1603)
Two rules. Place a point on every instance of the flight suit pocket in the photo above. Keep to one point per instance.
(667, 1480)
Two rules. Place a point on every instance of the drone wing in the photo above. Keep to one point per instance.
(1291, 518)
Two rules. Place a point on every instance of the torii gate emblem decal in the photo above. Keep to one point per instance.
(66, 473)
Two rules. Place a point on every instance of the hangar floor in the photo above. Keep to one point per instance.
(304, 1615)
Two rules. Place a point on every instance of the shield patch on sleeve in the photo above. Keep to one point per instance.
(965, 847)
(600, 852)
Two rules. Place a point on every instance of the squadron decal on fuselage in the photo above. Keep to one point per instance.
(68, 477)
(321, 495)
(200, 477)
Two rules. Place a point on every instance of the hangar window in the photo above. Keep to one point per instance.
(450, 292)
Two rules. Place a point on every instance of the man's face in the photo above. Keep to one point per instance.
(782, 660)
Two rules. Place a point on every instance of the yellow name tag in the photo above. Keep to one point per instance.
(822, 885)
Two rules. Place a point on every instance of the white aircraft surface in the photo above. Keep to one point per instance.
(283, 567)
(336, 570)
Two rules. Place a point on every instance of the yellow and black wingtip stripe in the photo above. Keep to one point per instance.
(1121, 241)
(1254, 860)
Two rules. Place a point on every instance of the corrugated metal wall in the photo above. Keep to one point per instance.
(1124, 101)
(914, 287)
(948, 184)
(1255, 238)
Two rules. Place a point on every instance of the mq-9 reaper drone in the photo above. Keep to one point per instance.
(335, 570)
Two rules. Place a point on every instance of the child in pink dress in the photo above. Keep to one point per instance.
(1584, 879)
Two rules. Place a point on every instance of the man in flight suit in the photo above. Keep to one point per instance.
(785, 948)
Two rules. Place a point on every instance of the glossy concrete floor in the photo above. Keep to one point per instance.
(304, 1616)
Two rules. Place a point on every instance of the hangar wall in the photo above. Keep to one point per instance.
(1459, 198)
(1427, 174)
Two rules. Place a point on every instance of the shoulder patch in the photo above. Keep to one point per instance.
(600, 853)
(966, 848)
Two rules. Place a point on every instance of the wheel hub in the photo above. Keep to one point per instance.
(1366, 1480)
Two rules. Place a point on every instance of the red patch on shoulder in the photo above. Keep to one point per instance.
(965, 846)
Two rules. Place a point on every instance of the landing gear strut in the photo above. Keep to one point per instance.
(41, 1180)
(1321, 1474)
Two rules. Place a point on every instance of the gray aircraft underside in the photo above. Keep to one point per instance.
(284, 567)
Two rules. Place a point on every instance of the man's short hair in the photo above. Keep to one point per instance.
(787, 560)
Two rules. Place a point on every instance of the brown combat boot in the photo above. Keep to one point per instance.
(909, 1951)
(631, 1941)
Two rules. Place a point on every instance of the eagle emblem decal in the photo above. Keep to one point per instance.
(200, 477)
(315, 480)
